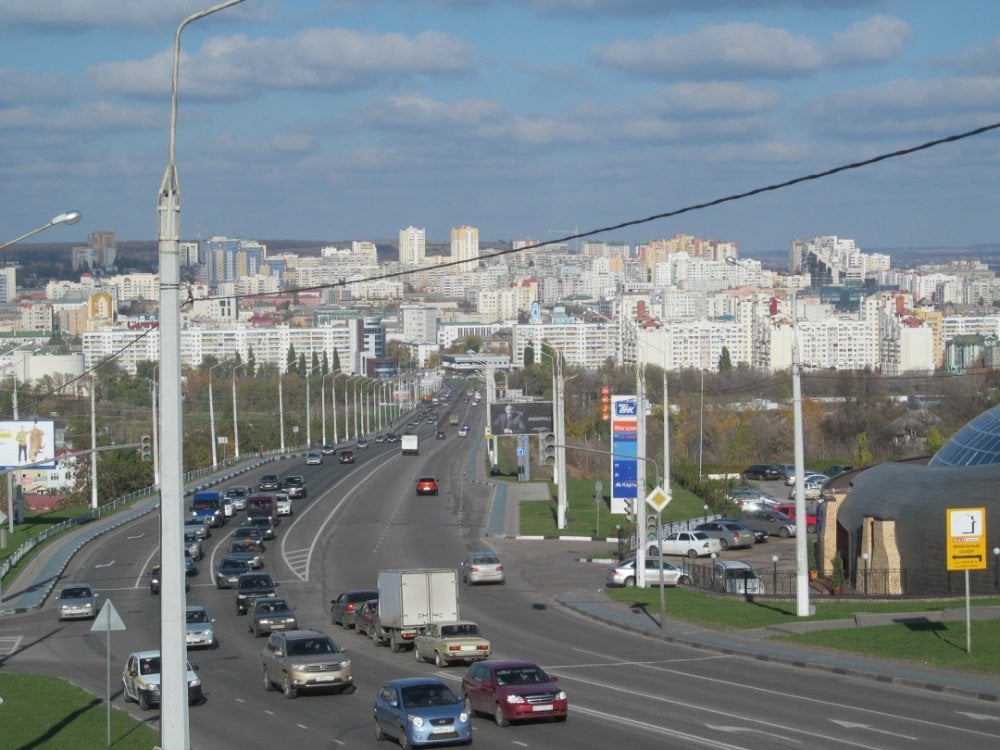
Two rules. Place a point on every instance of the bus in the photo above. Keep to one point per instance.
(208, 503)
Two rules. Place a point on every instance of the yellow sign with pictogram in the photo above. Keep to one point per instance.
(965, 546)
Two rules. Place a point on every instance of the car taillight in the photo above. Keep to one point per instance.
(350, 607)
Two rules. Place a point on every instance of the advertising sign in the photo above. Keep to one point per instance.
(27, 442)
(520, 418)
(966, 542)
(624, 446)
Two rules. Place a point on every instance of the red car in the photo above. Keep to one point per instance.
(513, 691)
(427, 486)
(789, 510)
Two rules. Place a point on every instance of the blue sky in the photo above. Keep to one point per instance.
(351, 119)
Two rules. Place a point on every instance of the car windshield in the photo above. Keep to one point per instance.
(150, 665)
(277, 605)
(197, 615)
(256, 582)
(77, 592)
(427, 695)
(486, 560)
(520, 676)
(307, 646)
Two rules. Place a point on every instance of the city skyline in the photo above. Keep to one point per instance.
(531, 119)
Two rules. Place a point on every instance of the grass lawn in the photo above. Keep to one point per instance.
(67, 717)
(33, 525)
(942, 644)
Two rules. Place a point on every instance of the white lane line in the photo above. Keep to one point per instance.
(9, 644)
(104, 565)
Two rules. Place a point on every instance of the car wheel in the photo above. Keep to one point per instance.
(416, 655)
(499, 718)
(404, 740)
(692, 553)
(629, 582)
(683, 580)
(783, 532)
(468, 707)
(268, 685)
(286, 687)
(377, 730)
(439, 661)
(143, 701)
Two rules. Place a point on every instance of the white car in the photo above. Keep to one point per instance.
(624, 573)
(736, 577)
(690, 543)
(806, 477)
(812, 487)
(141, 680)
(314, 459)
(282, 504)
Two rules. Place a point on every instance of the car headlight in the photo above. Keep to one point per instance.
(561, 695)
(463, 717)
(298, 667)
(264, 622)
(515, 699)
(194, 683)
(417, 721)
(153, 688)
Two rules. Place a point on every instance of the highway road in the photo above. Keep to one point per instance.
(625, 690)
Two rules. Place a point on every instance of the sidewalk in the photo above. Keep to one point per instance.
(564, 585)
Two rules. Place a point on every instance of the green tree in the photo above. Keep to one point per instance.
(529, 356)
(725, 362)
(251, 367)
(291, 359)
(473, 344)
(336, 360)
(866, 457)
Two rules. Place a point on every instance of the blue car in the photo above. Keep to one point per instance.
(421, 711)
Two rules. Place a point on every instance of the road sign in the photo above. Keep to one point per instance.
(966, 541)
(658, 499)
(520, 452)
(3, 516)
(107, 619)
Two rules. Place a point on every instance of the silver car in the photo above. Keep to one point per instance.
(200, 628)
(624, 573)
(482, 567)
(78, 600)
(736, 577)
(302, 660)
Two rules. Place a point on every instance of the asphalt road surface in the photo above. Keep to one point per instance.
(625, 690)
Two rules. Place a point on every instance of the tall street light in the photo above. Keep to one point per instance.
(322, 404)
(802, 608)
(70, 217)
(236, 426)
(211, 414)
(174, 728)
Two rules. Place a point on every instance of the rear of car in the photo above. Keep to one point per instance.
(427, 486)
(736, 577)
(482, 567)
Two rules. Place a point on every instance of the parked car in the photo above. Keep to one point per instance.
(513, 690)
(229, 571)
(200, 627)
(812, 487)
(314, 459)
(736, 577)
(141, 680)
(343, 609)
(762, 472)
(482, 567)
(270, 613)
(77, 600)
(789, 510)
(771, 521)
(268, 482)
(744, 496)
(624, 573)
(304, 660)
(420, 711)
(691, 543)
(250, 586)
(787, 470)
(806, 476)
(837, 469)
(346, 456)
(731, 534)
(427, 486)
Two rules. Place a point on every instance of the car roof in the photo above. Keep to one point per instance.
(151, 654)
(358, 594)
(415, 681)
(733, 565)
(509, 663)
(195, 608)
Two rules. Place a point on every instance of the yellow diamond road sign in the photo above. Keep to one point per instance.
(658, 499)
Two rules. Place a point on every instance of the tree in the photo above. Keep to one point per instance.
(473, 344)
(725, 363)
(529, 356)
(251, 362)
(336, 360)
(290, 359)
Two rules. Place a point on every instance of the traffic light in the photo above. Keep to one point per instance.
(652, 526)
(146, 448)
(630, 509)
(547, 447)
(605, 403)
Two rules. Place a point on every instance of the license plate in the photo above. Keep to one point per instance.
(323, 678)
(440, 730)
(469, 648)
(541, 708)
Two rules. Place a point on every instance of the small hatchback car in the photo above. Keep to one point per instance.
(420, 711)
(141, 680)
(482, 567)
(427, 486)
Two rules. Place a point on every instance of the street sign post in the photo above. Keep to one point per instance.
(107, 620)
(965, 549)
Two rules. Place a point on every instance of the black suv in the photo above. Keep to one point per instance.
(251, 586)
(762, 472)
(268, 482)
(294, 485)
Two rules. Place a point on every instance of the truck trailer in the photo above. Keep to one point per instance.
(409, 600)
(410, 445)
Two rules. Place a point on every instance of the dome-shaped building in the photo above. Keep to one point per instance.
(889, 526)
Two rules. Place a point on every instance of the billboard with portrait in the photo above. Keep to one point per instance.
(520, 418)
(27, 442)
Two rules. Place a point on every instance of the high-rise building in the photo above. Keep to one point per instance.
(412, 246)
(465, 246)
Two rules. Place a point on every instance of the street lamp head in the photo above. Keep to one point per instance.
(996, 551)
(774, 558)
(70, 217)
(864, 556)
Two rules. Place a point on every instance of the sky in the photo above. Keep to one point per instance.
(353, 119)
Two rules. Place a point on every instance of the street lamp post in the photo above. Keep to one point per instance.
(774, 574)
(174, 729)
(211, 414)
(70, 217)
(996, 568)
(308, 413)
(236, 426)
(281, 411)
(864, 557)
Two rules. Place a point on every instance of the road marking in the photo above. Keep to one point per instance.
(104, 565)
(796, 696)
(870, 728)
(9, 644)
(744, 729)
(979, 717)
(665, 731)
(136, 536)
(302, 726)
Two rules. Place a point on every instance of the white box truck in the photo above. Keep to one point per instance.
(410, 599)
(410, 445)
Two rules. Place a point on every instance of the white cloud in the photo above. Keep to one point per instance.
(316, 59)
(715, 98)
(979, 60)
(727, 50)
(60, 15)
(92, 116)
(876, 39)
(411, 111)
(22, 87)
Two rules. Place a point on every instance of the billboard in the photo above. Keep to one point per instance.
(521, 418)
(624, 446)
(27, 442)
